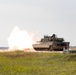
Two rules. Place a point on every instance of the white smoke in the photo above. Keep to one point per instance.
(20, 39)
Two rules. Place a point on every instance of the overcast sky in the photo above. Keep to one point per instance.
(46, 17)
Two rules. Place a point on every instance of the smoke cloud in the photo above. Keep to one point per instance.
(20, 39)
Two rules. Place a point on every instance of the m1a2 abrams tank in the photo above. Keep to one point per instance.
(51, 43)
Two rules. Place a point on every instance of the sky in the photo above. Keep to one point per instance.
(43, 17)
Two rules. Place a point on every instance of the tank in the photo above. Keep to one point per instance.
(51, 43)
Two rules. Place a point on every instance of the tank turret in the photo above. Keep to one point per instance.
(51, 38)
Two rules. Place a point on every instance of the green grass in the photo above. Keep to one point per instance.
(20, 63)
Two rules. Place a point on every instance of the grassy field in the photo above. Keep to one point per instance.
(29, 63)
